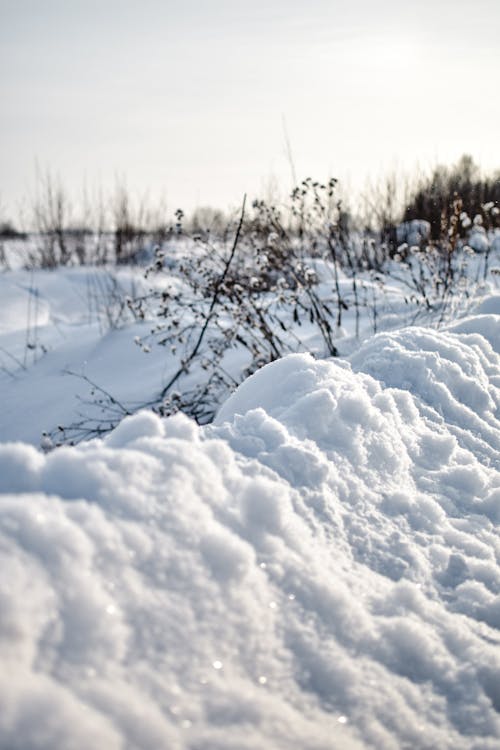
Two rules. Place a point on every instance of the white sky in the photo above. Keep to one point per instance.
(189, 98)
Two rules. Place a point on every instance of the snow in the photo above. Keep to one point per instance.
(478, 239)
(413, 232)
(74, 321)
(318, 569)
(491, 304)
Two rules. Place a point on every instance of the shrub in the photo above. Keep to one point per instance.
(434, 197)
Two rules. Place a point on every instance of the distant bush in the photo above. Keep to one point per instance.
(208, 221)
(434, 198)
(9, 232)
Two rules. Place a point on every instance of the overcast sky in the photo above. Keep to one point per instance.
(193, 98)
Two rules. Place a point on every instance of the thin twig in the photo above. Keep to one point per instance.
(213, 303)
(105, 393)
(13, 358)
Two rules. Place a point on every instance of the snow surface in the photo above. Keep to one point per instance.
(62, 330)
(74, 322)
(319, 569)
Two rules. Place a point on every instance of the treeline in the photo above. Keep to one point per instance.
(120, 230)
(434, 197)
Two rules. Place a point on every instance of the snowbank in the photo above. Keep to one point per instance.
(320, 569)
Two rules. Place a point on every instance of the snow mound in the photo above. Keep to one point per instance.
(454, 377)
(319, 569)
(478, 240)
(490, 304)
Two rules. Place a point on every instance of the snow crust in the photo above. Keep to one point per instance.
(319, 569)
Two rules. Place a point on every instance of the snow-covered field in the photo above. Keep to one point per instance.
(318, 569)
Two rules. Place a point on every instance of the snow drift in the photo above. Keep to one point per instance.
(319, 569)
